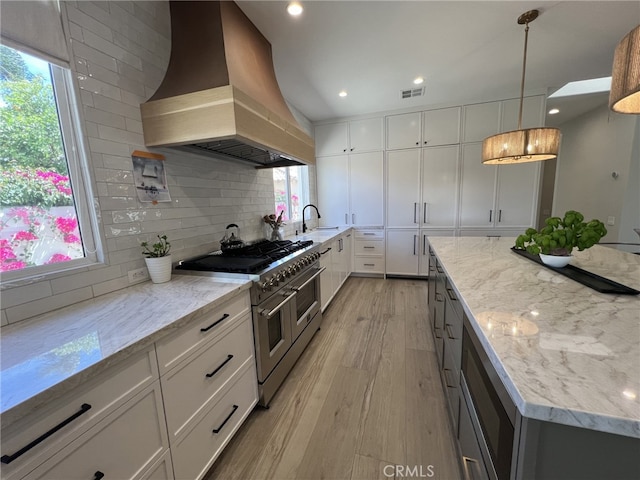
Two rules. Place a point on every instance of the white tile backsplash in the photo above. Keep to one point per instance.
(122, 50)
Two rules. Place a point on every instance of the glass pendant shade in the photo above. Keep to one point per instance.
(520, 146)
(625, 78)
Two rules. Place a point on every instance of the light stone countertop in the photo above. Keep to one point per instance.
(45, 356)
(320, 235)
(575, 356)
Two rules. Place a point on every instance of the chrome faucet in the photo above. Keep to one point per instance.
(304, 225)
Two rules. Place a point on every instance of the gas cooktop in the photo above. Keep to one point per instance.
(251, 258)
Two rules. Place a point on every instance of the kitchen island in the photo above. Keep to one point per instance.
(568, 356)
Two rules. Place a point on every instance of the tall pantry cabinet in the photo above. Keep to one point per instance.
(350, 173)
(422, 185)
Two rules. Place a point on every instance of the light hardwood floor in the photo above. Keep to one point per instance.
(364, 397)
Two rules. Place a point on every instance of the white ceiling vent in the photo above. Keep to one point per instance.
(412, 92)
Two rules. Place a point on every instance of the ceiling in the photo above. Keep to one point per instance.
(467, 52)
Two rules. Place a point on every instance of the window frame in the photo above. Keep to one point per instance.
(304, 188)
(68, 109)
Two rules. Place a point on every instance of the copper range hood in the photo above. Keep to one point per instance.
(220, 96)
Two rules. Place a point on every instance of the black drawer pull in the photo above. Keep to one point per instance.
(229, 357)
(439, 268)
(327, 250)
(217, 430)
(452, 296)
(85, 407)
(449, 329)
(224, 317)
(98, 475)
(447, 378)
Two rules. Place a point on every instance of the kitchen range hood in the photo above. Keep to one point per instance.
(220, 96)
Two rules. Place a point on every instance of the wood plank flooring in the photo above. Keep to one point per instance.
(364, 398)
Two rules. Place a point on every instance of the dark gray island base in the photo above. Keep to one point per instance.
(542, 374)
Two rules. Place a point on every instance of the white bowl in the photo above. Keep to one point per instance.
(556, 261)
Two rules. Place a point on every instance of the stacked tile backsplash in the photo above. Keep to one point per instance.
(120, 51)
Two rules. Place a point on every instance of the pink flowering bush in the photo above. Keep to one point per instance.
(21, 186)
(31, 236)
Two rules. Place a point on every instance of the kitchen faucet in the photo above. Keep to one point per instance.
(304, 225)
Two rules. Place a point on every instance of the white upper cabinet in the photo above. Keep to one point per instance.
(441, 127)
(423, 129)
(477, 188)
(403, 187)
(422, 187)
(439, 186)
(480, 121)
(532, 113)
(332, 139)
(366, 185)
(350, 189)
(404, 131)
(333, 189)
(493, 196)
(356, 136)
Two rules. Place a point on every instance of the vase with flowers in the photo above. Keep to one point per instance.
(274, 226)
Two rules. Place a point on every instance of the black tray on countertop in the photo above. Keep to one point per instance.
(598, 283)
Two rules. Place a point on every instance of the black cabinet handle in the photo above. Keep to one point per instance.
(452, 296)
(217, 430)
(6, 459)
(224, 317)
(98, 475)
(448, 327)
(322, 253)
(229, 357)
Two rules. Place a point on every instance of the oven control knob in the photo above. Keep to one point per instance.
(297, 266)
(265, 286)
(289, 272)
(274, 281)
(281, 276)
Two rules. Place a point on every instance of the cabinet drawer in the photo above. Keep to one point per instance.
(369, 247)
(123, 445)
(99, 396)
(173, 348)
(188, 388)
(369, 234)
(161, 470)
(369, 264)
(196, 451)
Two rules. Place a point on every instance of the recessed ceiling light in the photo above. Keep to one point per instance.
(418, 80)
(342, 94)
(553, 111)
(294, 9)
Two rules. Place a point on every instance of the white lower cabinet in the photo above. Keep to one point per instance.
(408, 250)
(136, 421)
(336, 257)
(188, 388)
(368, 252)
(196, 450)
(122, 446)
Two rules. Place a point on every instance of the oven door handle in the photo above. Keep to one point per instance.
(297, 289)
(274, 310)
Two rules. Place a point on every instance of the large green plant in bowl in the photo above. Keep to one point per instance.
(560, 236)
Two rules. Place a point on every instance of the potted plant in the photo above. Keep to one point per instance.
(555, 242)
(158, 259)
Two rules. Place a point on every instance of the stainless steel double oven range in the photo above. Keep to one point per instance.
(285, 300)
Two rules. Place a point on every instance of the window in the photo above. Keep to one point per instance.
(44, 222)
(291, 187)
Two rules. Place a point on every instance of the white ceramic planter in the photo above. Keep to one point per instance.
(556, 261)
(159, 268)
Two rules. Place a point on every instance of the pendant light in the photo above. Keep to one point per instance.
(625, 78)
(520, 146)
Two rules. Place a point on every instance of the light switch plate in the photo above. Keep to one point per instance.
(611, 220)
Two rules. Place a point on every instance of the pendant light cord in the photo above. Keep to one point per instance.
(524, 67)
